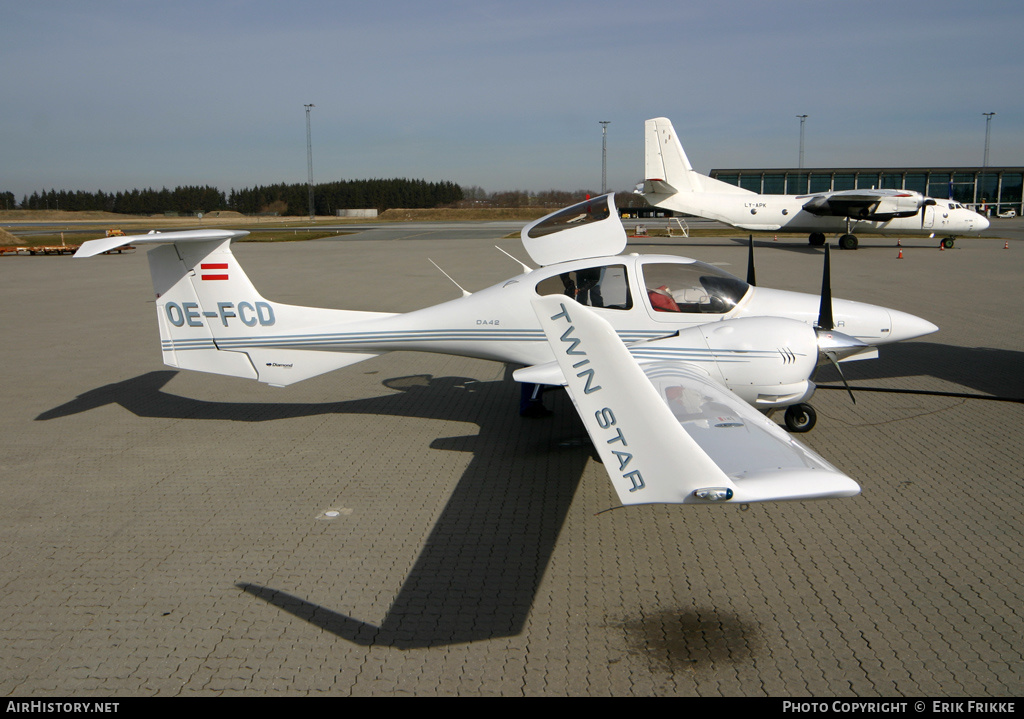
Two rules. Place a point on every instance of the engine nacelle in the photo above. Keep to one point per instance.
(767, 361)
(903, 205)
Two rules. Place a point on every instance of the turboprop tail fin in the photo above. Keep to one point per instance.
(212, 318)
(667, 170)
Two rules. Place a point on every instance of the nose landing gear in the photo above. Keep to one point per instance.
(800, 417)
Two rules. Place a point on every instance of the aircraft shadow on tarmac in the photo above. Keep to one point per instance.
(477, 574)
(984, 370)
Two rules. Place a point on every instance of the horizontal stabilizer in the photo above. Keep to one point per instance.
(658, 187)
(92, 248)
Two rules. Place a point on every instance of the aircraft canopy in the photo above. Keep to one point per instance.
(587, 229)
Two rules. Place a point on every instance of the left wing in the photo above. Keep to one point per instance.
(668, 433)
(877, 205)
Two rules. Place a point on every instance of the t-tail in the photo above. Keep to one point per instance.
(668, 172)
(212, 318)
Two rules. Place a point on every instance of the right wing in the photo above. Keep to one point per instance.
(668, 433)
(866, 204)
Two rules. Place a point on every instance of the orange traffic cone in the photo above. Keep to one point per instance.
(1006, 245)
(899, 242)
(900, 256)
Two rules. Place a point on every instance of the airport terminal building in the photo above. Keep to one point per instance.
(990, 190)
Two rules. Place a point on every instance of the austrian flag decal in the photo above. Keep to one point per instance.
(207, 266)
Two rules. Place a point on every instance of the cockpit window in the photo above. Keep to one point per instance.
(579, 214)
(691, 288)
(602, 286)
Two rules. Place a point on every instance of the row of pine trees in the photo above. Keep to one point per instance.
(283, 199)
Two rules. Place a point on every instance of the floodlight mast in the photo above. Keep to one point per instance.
(803, 118)
(984, 162)
(309, 160)
(604, 154)
(988, 131)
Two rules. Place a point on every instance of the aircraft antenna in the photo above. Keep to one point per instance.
(526, 268)
(464, 292)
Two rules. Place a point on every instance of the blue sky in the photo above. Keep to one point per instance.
(112, 94)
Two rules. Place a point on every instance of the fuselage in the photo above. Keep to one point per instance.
(786, 213)
(643, 297)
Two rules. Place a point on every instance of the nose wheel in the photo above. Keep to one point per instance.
(800, 417)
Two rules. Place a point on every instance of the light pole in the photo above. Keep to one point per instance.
(604, 154)
(988, 130)
(803, 118)
(984, 162)
(309, 159)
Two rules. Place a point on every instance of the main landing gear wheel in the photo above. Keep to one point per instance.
(947, 243)
(800, 418)
(848, 242)
(816, 239)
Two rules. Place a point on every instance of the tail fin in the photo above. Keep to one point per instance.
(665, 164)
(667, 170)
(212, 318)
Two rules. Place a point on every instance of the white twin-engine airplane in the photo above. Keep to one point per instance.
(673, 184)
(667, 359)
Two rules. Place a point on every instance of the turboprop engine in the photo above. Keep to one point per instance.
(905, 204)
(733, 352)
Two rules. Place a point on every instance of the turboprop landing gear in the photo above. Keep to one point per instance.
(947, 243)
(800, 417)
(817, 239)
(849, 240)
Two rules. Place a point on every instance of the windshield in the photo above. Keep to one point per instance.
(691, 288)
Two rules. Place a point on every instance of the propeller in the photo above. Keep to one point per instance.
(833, 345)
(750, 263)
(825, 320)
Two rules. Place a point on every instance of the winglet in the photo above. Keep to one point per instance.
(639, 440)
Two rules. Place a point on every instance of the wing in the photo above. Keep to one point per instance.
(866, 204)
(668, 433)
